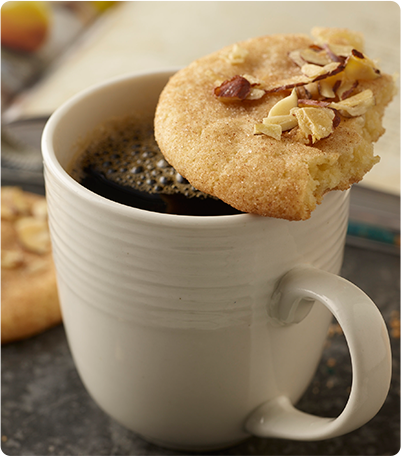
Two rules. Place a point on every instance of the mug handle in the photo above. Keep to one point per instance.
(368, 342)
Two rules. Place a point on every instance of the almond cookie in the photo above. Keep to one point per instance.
(271, 124)
(29, 299)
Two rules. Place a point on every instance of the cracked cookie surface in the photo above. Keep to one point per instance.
(211, 142)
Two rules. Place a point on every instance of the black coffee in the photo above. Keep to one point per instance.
(122, 162)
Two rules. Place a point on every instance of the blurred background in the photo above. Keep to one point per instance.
(52, 50)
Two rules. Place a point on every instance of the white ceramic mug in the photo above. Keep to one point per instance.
(197, 332)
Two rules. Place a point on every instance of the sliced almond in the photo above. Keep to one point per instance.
(346, 88)
(19, 202)
(284, 106)
(338, 52)
(286, 122)
(316, 72)
(313, 103)
(33, 234)
(240, 88)
(39, 209)
(360, 67)
(337, 119)
(356, 105)
(236, 55)
(272, 130)
(256, 91)
(296, 57)
(316, 123)
(14, 202)
(302, 92)
(7, 213)
(252, 80)
(310, 90)
(328, 87)
(255, 94)
(235, 89)
(287, 84)
(11, 259)
(315, 56)
(311, 71)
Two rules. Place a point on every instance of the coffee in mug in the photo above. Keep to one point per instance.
(121, 161)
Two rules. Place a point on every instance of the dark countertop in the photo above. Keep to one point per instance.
(47, 411)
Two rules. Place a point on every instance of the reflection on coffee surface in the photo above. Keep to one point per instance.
(122, 162)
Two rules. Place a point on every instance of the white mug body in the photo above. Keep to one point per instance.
(168, 317)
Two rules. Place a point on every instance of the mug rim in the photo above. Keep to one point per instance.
(52, 164)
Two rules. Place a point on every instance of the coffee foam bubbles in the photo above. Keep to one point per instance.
(125, 152)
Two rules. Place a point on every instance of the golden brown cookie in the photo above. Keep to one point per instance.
(216, 125)
(29, 299)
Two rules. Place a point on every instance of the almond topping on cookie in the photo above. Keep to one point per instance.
(252, 80)
(329, 71)
(39, 209)
(256, 91)
(334, 69)
(237, 55)
(279, 118)
(315, 122)
(240, 88)
(316, 56)
(308, 91)
(346, 88)
(33, 234)
(7, 213)
(235, 89)
(328, 87)
(296, 57)
(360, 67)
(316, 72)
(313, 103)
(273, 130)
(29, 222)
(14, 203)
(284, 106)
(286, 122)
(11, 259)
(356, 105)
(256, 94)
(338, 53)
